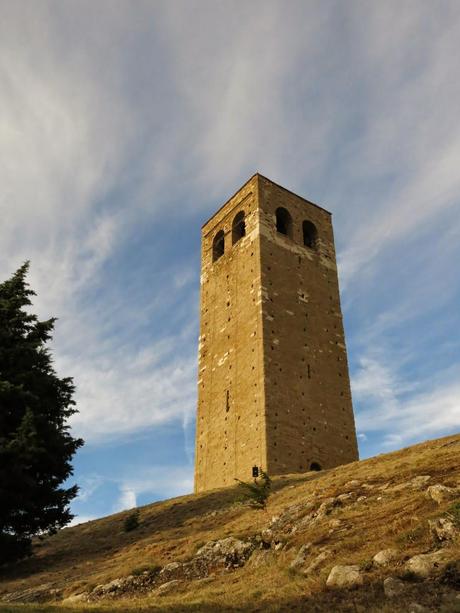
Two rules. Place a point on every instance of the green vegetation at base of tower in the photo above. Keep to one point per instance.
(256, 494)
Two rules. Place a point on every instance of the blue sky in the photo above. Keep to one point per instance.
(124, 125)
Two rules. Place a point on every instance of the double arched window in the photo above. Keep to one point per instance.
(284, 225)
(283, 221)
(238, 232)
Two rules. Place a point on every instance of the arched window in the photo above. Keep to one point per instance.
(218, 246)
(238, 227)
(315, 466)
(309, 234)
(283, 222)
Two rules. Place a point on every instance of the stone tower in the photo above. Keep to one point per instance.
(273, 384)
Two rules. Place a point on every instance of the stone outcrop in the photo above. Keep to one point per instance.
(384, 557)
(394, 587)
(345, 576)
(443, 529)
(441, 493)
(424, 565)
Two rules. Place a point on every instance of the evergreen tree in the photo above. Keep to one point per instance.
(35, 444)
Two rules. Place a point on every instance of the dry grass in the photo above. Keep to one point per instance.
(79, 558)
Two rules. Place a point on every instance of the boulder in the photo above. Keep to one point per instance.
(343, 498)
(109, 588)
(443, 529)
(230, 552)
(441, 493)
(393, 587)
(419, 482)
(267, 536)
(345, 576)
(352, 483)
(326, 507)
(424, 565)
(384, 557)
(169, 568)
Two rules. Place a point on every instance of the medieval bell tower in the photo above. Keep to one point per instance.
(273, 384)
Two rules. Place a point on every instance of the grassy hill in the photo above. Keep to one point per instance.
(314, 521)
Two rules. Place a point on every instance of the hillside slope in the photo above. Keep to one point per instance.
(207, 552)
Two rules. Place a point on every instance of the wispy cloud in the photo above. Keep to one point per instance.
(400, 412)
(127, 499)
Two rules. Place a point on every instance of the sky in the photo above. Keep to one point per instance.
(124, 125)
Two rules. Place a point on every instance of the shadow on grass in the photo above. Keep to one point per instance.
(369, 598)
(98, 539)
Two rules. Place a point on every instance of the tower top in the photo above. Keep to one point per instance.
(260, 176)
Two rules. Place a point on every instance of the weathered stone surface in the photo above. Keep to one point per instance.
(420, 481)
(344, 576)
(441, 493)
(299, 560)
(443, 529)
(258, 295)
(384, 557)
(115, 585)
(344, 498)
(354, 483)
(75, 598)
(39, 593)
(169, 568)
(230, 552)
(168, 587)
(424, 565)
(393, 587)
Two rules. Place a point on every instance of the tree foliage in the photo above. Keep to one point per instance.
(256, 493)
(35, 444)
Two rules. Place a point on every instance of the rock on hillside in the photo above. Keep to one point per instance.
(379, 533)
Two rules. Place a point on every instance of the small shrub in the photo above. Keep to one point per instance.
(256, 494)
(408, 575)
(451, 575)
(131, 521)
(367, 565)
(412, 536)
(453, 512)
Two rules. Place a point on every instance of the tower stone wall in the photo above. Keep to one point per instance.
(273, 384)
